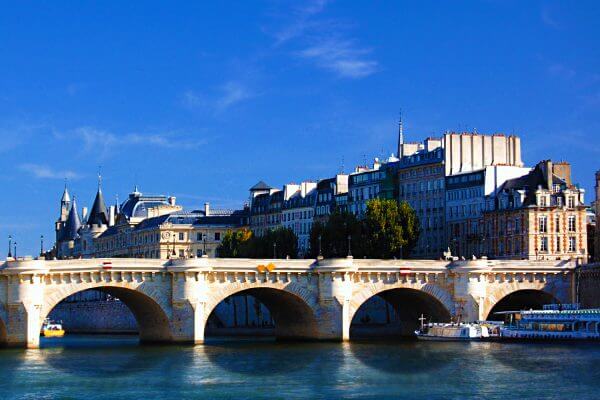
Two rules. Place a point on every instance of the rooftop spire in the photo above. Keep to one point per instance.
(400, 135)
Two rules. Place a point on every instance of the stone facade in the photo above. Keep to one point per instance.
(539, 216)
(172, 300)
(143, 227)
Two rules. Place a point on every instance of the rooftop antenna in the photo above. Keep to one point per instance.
(342, 166)
(364, 159)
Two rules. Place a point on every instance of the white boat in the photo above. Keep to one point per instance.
(553, 322)
(452, 331)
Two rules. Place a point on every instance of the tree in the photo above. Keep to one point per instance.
(243, 244)
(235, 244)
(334, 236)
(391, 229)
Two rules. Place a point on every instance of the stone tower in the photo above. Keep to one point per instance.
(65, 207)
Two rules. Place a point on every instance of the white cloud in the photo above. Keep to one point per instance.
(102, 143)
(45, 172)
(231, 93)
(301, 22)
(224, 97)
(341, 57)
(325, 42)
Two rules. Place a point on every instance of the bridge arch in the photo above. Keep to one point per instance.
(520, 299)
(408, 300)
(292, 306)
(149, 308)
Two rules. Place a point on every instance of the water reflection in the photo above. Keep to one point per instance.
(260, 358)
(541, 358)
(404, 357)
(105, 356)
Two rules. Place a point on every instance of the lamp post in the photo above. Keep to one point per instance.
(320, 255)
(41, 245)
(401, 251)
(536, 253)
(274, 250)
(15, 250)
(204, 245)
(9, 255)
(349, 246)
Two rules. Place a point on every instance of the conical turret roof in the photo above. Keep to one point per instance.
(66, 198)
(73, 224)
(99, 214)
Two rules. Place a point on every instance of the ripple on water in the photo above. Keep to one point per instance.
(101, 367)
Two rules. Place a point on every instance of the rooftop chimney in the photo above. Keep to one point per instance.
(206, 209)
(111, 215)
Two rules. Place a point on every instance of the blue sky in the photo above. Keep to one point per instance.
(200, 100)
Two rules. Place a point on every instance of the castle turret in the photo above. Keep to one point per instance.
(65, 205)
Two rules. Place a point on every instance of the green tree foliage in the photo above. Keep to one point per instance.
(243, 244)
(334, 236)
(388, 230)
(391, 229)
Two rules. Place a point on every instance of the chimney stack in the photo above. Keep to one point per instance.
(549, 171)
(206, 209)
(111, 215)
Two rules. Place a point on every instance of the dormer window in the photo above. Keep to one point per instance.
(571, 201)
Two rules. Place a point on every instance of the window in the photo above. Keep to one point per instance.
(181, 253)
(544, 244)
(558, 245)
(217, 235)
(572, 244)
(199, 253)
(543, 201)
(557, 224)
(571, 202)
(181, 236)
(198, 236)
(517, 225)
(543, 224)
(572, 223)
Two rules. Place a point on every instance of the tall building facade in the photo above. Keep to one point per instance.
(421, 184)
(425, 169)
(539, 216)
(465, 203)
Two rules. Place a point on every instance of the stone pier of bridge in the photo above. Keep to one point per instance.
(308, 299)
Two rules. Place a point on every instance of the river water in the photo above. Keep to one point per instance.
(104, 367)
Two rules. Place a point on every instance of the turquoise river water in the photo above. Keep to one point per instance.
(103, 367)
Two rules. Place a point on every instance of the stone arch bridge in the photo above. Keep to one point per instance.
(308, 299)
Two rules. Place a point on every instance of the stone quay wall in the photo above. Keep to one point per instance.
(589, 286)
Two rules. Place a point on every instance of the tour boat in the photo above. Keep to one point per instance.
(52, 329)
(452, 331)
(553, 322)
